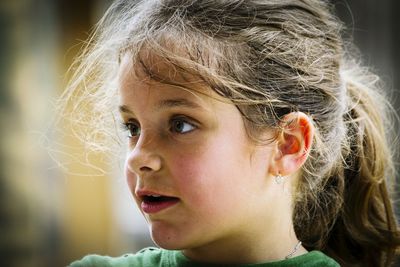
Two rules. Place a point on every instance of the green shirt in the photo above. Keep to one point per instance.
(155, 257)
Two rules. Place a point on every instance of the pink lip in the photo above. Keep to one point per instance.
(154, 207)
(151, 207)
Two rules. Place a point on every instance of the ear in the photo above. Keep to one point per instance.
(293, 144)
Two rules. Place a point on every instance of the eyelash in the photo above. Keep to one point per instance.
(128, 126)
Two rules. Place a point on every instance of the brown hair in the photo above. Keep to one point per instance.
(270, 58)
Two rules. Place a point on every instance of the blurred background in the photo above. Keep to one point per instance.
(52, 213)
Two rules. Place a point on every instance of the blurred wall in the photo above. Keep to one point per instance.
(28, 78)
(52, 212)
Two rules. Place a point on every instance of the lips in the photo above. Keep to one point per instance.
(153, 202)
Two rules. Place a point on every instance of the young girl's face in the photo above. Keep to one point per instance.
(192, 170)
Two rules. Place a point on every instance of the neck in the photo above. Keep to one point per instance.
(267, 250)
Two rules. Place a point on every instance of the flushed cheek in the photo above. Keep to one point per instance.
(201, 180)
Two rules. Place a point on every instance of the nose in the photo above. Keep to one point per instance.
(144, 158)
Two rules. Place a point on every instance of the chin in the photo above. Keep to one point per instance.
(167, 242)
(170, 240)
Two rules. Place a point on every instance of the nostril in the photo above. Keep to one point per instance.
(145, 169)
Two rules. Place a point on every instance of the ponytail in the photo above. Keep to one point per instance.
(365, 232)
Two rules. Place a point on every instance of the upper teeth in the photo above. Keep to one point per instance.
(155, 195)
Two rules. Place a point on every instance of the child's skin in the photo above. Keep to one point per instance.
(193, 146)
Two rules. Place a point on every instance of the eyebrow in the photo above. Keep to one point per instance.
(178, 102)
(124, 109)
(167, 103)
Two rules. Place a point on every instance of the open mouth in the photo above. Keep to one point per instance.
(156, 203)
(157, 198)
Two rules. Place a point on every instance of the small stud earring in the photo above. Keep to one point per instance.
(279, 179)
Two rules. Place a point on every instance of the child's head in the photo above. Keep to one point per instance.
(190, 147)
(255, 70)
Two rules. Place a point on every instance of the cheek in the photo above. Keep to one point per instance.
(130, 178)
(220, 172)
(208, 174)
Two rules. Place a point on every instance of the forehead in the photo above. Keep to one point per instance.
(174, 67)
(152, 75)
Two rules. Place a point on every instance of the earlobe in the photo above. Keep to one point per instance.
(293, 143)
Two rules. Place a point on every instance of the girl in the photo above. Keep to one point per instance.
(254, 137)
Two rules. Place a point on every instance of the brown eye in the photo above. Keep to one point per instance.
(180, 125)
(133, 129)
